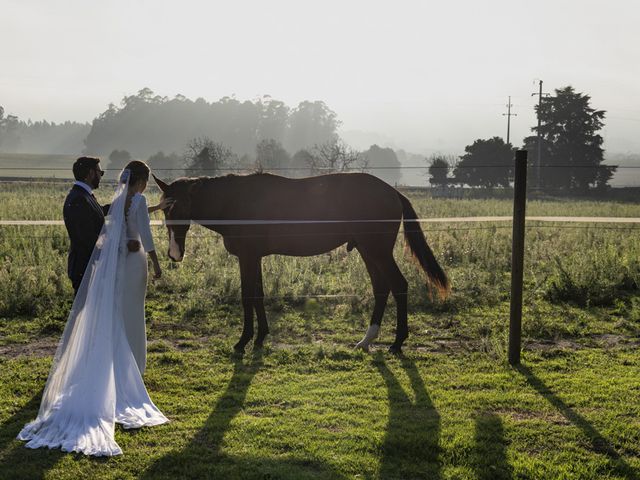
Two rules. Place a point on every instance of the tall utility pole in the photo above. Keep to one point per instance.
(539, 160)
(509, 115)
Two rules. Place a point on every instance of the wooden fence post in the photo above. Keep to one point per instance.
(517, 256)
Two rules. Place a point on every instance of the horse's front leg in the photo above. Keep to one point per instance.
(248, 277)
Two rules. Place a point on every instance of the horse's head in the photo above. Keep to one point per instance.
(178, 215)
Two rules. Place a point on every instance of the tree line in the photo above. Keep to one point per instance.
(207, 137)
(571, 153)
(41, 137)
(146, 123)
(182, 136)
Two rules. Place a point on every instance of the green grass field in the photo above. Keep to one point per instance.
(309, 406)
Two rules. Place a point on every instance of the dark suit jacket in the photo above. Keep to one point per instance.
(84, 218)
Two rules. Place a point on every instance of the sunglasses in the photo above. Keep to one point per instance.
(101, 172)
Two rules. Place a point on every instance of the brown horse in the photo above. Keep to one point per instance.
(263, 214)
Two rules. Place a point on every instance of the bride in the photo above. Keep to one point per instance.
(96, 377)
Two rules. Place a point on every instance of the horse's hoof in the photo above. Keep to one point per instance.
(362, 346)
(258, 343)
(236, 356)
(238, 349)
(395, 350)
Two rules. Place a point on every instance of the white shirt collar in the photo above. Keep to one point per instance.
(84, 185)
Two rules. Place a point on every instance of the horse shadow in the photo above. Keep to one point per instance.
(411, 444)
(490, 452)
(27, 463)
(203, 456)
(598, 442)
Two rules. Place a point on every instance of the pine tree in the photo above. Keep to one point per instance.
(572, 153)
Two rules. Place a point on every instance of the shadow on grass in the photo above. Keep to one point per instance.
(490, 452)
(203, 458)
(411, 445)
(24, 462)
(599, 443)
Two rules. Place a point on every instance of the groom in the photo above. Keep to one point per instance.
(84, 217)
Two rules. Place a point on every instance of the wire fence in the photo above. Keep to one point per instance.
(556, 220)
(305, 228)
(622, 224)
(367, 167)
(400, 232)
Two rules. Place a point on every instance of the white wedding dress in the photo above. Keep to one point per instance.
(135, 277)
(95, 380)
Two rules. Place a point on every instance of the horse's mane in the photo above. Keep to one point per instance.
(226, 175)
(220, 180)
(205, 179)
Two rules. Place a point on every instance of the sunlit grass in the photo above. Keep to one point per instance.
(326, 412)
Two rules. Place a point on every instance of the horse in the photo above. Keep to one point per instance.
(262, 214)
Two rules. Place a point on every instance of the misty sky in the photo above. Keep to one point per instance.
(420, 75)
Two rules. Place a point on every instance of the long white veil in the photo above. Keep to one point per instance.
(78, 409)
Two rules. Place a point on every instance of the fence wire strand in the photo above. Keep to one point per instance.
(400, 232)
(359, 168)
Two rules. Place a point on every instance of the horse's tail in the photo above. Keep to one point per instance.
(421, 251)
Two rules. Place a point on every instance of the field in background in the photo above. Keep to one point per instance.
(20, 165)
(309, 406)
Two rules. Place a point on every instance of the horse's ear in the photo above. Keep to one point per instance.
(163, 186)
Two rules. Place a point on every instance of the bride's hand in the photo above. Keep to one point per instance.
(165, 203)
(157, 271)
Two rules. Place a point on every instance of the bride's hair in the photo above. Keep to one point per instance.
(139, 171)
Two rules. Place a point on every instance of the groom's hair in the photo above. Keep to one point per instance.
(83, 166)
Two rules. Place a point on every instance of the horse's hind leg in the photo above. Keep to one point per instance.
(263, 326)
(399, 287)
(381, 291)
(248, 277)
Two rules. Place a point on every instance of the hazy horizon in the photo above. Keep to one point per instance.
(416, 76)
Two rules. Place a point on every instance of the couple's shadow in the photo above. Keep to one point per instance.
(192, 462)
(203, 456)
(410, 448)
